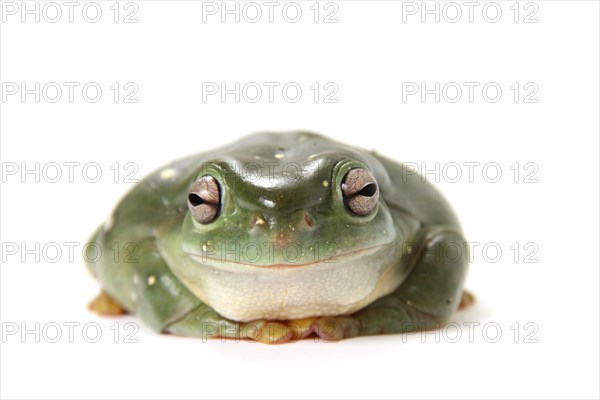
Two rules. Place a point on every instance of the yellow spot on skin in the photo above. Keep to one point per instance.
(325, 183)
(151, 280)
(167, 173)
(260, 221)
(204, 247)
(279, 155)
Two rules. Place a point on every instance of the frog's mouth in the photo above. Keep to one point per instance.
(226, 258)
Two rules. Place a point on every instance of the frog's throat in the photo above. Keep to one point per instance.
(245, 292)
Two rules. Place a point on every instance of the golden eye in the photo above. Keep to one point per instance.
(204, 199)
(360, 191)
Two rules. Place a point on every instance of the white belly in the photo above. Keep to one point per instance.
(244, 292)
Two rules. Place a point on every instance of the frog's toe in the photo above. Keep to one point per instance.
(332, 329)
(467, 300)
(279, 332)
(269, 332)
(103, 304)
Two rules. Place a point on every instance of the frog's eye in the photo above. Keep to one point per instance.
(360, 191)
(204, 199)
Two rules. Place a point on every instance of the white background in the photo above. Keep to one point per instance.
(368, 54)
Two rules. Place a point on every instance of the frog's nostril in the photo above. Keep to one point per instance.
(308, 220)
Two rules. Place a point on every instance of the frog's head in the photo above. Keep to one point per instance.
(287, 211)
(275, 205)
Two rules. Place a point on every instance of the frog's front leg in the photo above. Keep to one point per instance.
(161, 298)
(142, 284)
(425, 300)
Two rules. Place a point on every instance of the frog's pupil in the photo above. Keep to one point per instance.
(195, 200)
(369, 190)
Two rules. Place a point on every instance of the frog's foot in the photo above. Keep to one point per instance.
(103, 304)
(467, 300)
(204, 322)
(329, 329)
(276, 332)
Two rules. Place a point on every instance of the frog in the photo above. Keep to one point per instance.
(282, 236)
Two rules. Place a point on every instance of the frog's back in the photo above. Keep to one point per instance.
(411, 193)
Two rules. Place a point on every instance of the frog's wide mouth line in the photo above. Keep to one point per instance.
(332, 260)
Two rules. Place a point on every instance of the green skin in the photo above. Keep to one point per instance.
(154, 275)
